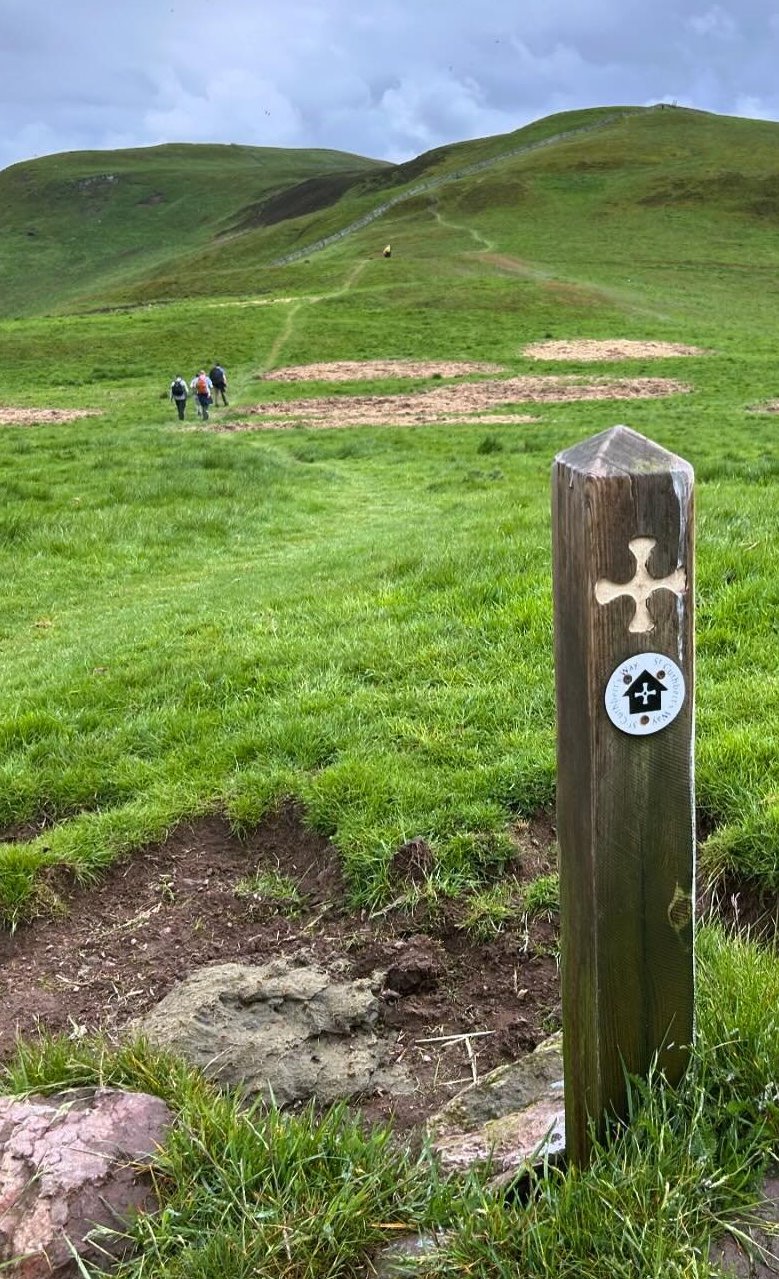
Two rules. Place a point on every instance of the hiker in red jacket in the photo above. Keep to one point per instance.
(203, 387)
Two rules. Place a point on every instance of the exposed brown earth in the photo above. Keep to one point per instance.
(466, 401)
(112, 951)
(43, 417)
(371, 370)
(454, 1005)
(586, 349)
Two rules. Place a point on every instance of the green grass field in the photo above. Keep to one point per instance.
(361, 618)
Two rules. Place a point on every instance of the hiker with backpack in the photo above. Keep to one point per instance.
(178, 394)
(202, 386)
(219, 380)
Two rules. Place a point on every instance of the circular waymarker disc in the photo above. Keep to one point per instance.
(645, 693)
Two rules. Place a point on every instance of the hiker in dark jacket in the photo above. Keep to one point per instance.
(178, 394)
(219, 379)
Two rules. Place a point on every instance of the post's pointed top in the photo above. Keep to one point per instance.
(618, 451)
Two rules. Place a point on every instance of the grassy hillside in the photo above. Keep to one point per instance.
(95, 221)
(86, 230)
(414, 693)
(360, 618)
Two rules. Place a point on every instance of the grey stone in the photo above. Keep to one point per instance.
(282, 1030)
(71, 1164)
(511, 1119)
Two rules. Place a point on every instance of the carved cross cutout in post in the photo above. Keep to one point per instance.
(642, 585)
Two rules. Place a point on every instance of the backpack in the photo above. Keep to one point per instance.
(178, 389)
(202, 384)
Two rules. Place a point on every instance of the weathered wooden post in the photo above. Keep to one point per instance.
(624, 653)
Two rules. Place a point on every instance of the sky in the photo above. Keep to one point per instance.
(380, 79)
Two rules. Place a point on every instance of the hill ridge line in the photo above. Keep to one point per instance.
(433, 183)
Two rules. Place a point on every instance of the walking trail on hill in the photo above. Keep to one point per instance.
(454, 1004)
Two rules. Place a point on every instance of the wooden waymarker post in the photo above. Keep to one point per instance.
(622, 513)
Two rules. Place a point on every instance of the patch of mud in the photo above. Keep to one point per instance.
(287, 1030)
(43, 417)
(465, 402)
(586, 349)
(116, 949)
(370, 370)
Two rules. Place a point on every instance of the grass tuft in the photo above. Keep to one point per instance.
(248, 1190)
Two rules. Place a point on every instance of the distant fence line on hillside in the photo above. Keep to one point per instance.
(431, 184)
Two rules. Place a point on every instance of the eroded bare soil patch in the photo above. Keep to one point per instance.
(464, 402)
(452, 1004)
(585, 349)
(120, 946)
(43, 417)
(371, 370)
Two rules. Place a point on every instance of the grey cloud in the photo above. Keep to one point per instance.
(388, 80)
